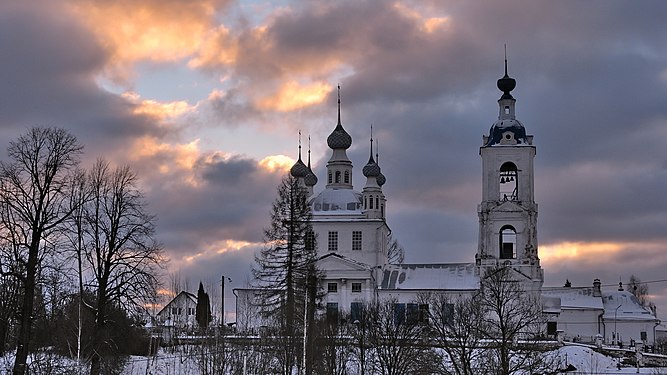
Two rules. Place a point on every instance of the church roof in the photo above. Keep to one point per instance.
(451, 276)
(336, 201)
(575, 298)
(623, 305)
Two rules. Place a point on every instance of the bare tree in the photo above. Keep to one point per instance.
(121, 255)
(397, 338)
(512, 322)
(457, 323)
(35, 195)
(395, 251)
(285, 267)
(639, 290)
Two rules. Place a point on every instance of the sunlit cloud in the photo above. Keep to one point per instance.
(220, 247)
(577, 250)
(427, 24)
(157, 109)
(170, 157)
(147, 30)
(217, 48)
(277, 163)
(294, 95)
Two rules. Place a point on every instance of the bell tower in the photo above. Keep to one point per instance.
(508, 212)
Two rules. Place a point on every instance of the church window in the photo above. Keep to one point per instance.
(310, 240)
(382, 210)
(508, 181)
(507, 242)
(333, 241)
(338, 177)
(377, 201)
(356, 312)
(371, 203)
(347, 177)
(332, 312)
(330, 180)
(356, 240)
(365, 203)
(507, 110)
(399, 313)
(332, 287)
(356, 287)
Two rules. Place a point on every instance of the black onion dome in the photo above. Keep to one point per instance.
(381, 179)
(371, 169)
(299, 169)
(310, 179)
(506, 84)
(339, 138)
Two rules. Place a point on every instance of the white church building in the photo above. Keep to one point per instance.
(352, 241)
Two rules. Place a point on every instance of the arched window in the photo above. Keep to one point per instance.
(509, 182)
(365, 203)
(507, 242)
(377, 201)
(347, 177)
(338, 177)
(330, 180)
(371, 203)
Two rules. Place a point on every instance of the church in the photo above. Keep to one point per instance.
(353, 242)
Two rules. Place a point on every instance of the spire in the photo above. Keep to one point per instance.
(506, 84)
(370, 159)
(339, 138)
(299, 144)
(371, 169)
(299, 169)
(310, 178)
(308, 151)
(381, 179)
(339, 124)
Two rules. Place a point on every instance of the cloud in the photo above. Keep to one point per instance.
(147, 29)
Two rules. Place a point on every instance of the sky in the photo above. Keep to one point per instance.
(204, 99)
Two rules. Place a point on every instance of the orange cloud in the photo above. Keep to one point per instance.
(577, 250)
(132, 30)
(427, 24)
(293, 95)
(169, 156)
(220, 247)
(277, 163)
(157, 109)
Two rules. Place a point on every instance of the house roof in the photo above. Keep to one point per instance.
(575, 298)
(452, 276)
(182, 294)
(623, 305)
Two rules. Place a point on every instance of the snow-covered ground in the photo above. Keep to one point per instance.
(178, 361)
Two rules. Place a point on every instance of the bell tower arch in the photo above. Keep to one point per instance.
(508, 212)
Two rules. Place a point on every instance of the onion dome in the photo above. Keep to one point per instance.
(371, 169)
(506, 84)
(339, 138)
(380, 179)
(299, 169)
(310, 179)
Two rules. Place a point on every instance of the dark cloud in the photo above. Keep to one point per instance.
(591, 82)
(48, 73)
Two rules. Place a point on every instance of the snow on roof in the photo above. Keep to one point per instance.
(336, 202)
(575, 298)
(623, 305)
(453, 276)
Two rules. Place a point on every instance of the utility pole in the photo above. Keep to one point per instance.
(222, 301)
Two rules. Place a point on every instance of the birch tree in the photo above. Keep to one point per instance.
(35, 202)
